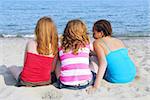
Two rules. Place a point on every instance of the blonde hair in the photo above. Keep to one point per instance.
(75, 36)
(46, 36)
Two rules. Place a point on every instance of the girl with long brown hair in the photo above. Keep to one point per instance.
(39, 56)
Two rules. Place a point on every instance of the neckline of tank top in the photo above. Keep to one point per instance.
(39, 55)
(113, 51)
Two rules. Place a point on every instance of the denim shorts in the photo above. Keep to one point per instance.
(77, 87)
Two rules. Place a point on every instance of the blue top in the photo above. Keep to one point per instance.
(120, 68)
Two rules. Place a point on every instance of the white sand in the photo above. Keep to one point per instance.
(12, 51)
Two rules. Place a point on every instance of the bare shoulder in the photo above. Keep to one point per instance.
(31, 46)
(97, 44)
(31, 43)
(119, 41)
(116, 39)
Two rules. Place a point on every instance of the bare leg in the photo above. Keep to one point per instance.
(93, 64)
(15, 71)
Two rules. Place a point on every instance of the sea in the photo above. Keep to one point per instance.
(128, 17)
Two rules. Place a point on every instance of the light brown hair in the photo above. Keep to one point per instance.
(46, 36)
(75, 36)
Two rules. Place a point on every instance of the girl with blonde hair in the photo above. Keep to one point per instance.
(74, 57)
(39, 56)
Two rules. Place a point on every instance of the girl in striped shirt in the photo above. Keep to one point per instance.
(74, 57)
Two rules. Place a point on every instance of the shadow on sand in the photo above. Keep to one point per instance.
(6, 74)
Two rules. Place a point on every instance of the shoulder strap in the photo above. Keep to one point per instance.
(107, 47)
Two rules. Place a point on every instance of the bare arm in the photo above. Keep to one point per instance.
(102, 63)
(54, 62)
(26, 48)
(15, 70)
(30, 47)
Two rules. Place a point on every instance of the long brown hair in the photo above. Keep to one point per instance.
(75, 36)
(46, 36)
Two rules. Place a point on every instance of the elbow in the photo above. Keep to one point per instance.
(104, 65)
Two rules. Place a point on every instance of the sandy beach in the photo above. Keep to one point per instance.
(12, 53)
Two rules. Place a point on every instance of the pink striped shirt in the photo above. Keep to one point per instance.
(75, 68)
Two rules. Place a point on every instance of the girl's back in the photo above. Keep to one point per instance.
(32, 48)
(39, 54)
(75, 68)
(120, 68)
(37, 67)
(111, 44)
(74, 56)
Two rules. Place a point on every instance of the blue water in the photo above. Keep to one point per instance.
(128, 17)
